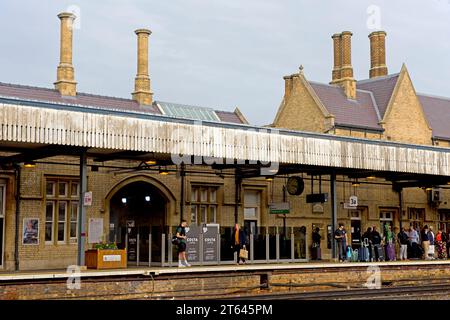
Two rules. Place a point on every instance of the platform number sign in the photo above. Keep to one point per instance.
(353, 201)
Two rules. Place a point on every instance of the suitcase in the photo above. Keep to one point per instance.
(363, 254)
(355, 255)
(380, 251)
(390, 251)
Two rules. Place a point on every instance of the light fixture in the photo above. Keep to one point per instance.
(29, 164)
(147, 198)
(370, 177)
(269, 178)
(428, 188)
(150, 162)
(355, 183)
(163, 172)
(124, 200)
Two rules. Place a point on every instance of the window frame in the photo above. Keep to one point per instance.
(204, 199)
(70, 199)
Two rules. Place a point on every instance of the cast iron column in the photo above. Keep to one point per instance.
(333, 213)
(82, 213)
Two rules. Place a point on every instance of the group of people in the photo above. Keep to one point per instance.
(392, 245)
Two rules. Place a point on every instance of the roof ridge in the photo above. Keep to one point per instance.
(433, 96)
(389, 76)
(12, 85)
(337, 87)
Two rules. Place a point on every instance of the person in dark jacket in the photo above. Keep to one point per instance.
(316, 238)
(239, 241)
(376, 243)
(403, 242)
(425, 242)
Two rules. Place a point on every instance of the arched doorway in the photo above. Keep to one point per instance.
(137, 211)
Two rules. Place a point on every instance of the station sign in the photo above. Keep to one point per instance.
(353, 201)
(279, 208)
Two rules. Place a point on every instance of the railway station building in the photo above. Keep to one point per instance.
(73, 162)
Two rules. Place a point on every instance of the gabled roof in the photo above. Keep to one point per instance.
(382, 89)
(112, 103)
(437, 111)
(361, 112)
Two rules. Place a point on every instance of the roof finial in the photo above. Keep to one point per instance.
(301, 69)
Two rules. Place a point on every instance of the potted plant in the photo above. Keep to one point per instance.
(106, 256)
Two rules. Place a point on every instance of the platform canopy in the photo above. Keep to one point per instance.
(34, 123)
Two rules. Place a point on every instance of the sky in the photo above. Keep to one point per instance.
(222, 54)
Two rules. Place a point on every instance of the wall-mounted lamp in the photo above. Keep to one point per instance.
(163, 172)
(150, 162)
(29, 164)
(124, 200)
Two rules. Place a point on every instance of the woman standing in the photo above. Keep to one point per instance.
(441, 246)
(390, 246)
(239, 242)
(181, 236)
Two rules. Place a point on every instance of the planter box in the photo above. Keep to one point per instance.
(106, 259)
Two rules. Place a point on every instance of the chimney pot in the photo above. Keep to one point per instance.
(142, 92)
(65, 79)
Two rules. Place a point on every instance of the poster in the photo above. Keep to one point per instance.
(95, 230)
(30, 231)
(210, 235)
(193, 243)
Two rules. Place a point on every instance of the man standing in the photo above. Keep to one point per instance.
(403, 242)
(341, 238)
(431, 238)
(425, 242)
(376, 242)
(414, 240)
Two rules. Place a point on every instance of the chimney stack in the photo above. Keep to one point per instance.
(142, 93)
(65, 81)
(343, 70)
(378, 66)
(336, 75)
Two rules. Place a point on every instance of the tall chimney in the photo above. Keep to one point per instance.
(378, 66)
(65, 79)
(343, 70)
(142, 93)
(336, 74)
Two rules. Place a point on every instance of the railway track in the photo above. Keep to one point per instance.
(438, 290)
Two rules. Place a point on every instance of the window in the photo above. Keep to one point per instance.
(62, 219)
(74, 220)
(49, 217)
(444, 220)
(416, 217)
(203, 204)
(252, 203)
(61, 210)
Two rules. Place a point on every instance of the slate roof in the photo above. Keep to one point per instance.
(105, 102)
(361, 112)
(381, 88)
(437, 111)
(372, 99)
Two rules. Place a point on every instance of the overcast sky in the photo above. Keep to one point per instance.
(222, 54)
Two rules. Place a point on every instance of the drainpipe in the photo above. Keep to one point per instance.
(16, 244)
(400, 200)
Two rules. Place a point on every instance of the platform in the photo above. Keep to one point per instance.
(146, 271)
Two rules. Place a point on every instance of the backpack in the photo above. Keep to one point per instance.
(175, 240)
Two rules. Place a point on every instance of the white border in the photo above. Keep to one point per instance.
(39, 231)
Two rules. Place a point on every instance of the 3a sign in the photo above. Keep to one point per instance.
(353, 201)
